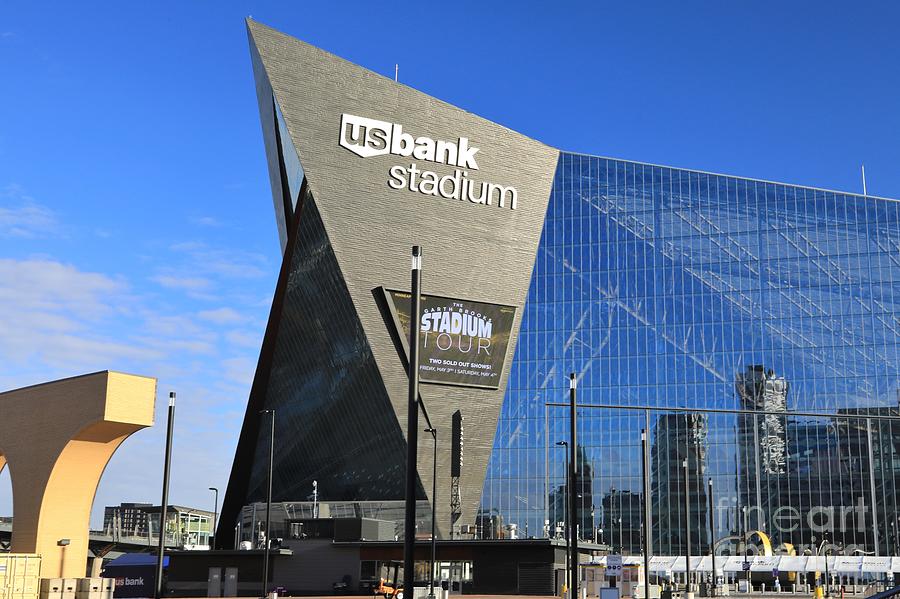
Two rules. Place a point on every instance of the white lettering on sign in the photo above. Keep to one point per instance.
(367, 137)
(459, 329)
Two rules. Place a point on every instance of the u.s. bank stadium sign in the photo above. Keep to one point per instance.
(367, 137)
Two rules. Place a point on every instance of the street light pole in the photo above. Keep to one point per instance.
(712, 540)
(745, 527)
(565, 445)
(573, 506)
(215, 516)
(433, 432)
(265, 579)
(647, 527)
(612, 521)
(412, 425)
(315, 499)
(165, 497)
(687, 531)
(619, 522)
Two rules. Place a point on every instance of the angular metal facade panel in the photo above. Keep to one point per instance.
(335, 423)
(472, 251)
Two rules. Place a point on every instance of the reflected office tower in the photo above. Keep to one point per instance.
(584, 485)
(762, 443)
(678, 437)
(489, 525)
(886, 465)
(869, 458)
(813, 469)
(621, 521)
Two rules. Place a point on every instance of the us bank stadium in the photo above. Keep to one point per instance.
(752, 328)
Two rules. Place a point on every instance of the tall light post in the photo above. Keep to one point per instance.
(824, 549)
(573, 507)
(621, 532)
(170, 427)
(433, 432)
(566, 516)
(895, 529)
(215, 516)
(412, 425)
(267, 543)
(647, 527)
(315, 496)
(687, 530)
(612, 520)
(745, 527)
(893, 539)
(712, 539)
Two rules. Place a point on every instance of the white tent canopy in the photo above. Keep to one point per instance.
(839, 564)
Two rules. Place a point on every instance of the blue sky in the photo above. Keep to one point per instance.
(136, 227)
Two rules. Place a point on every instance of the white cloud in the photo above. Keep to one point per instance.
(207, 221)
(239, 370)
(42, 284)
(183, 283)
(246, 339)
(222, 316)
(228, 263)
(55, 314)
(21, 216)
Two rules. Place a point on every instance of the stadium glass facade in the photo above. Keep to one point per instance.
(665, 289)
(751, 328)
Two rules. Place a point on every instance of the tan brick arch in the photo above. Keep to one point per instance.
(57, 439)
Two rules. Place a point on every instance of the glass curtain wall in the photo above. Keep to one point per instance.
(665, 288)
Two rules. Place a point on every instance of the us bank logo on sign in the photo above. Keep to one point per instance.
(367, 137)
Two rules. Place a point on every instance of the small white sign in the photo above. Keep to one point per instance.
(614, 565)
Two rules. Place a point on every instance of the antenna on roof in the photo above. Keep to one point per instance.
(863, 167)
(396, 71)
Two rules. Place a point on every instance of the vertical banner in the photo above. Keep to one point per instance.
(462, 342)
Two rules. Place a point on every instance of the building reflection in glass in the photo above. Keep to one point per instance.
(668, 288)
